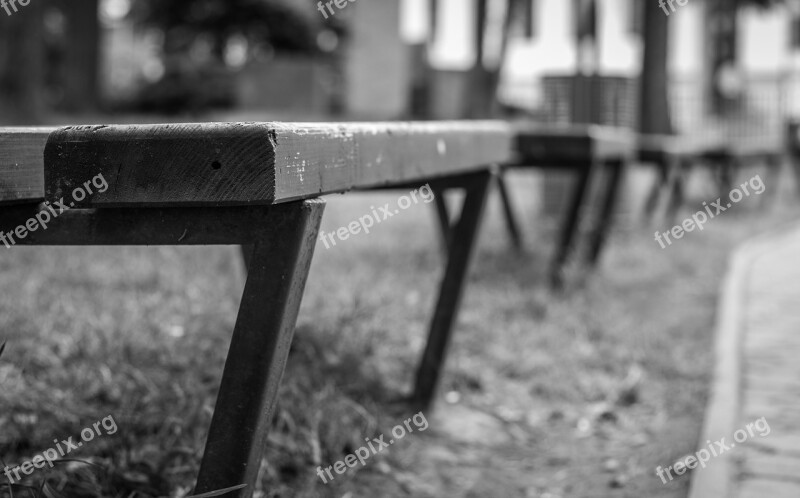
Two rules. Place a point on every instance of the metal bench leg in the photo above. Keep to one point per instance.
(510, 216)
(677, 192)
(794, 162)
(571, 226)
(774, 164)
(443, 215)
(279, 265)
(655, 197)
(602, 227)
(464, 235)
(726, 168)
(247, 252)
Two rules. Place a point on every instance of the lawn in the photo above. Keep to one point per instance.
(574, 395)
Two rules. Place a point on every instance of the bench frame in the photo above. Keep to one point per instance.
(281, 241)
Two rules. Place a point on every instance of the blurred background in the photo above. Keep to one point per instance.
(545, 396)
(400, 59)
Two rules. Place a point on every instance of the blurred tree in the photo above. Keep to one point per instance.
(22, 66)
(278, 24)
(484, 76)
(722, 35)
(654, 115)
(203, 39)
(82, 54)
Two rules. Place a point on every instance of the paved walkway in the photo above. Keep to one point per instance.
(757, 377)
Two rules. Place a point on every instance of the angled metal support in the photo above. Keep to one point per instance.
(279, 263)
(512, 225)
(280, 240)
(464, 234)
(614, 171)
(571, 225)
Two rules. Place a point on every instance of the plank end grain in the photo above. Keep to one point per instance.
(22, 164)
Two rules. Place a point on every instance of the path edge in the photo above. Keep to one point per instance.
(723, 409)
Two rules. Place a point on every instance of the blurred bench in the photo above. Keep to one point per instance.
(673, 157)
(256, 185)
(597, 155)
(676, 156)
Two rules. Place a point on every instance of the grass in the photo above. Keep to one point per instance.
(544, 396)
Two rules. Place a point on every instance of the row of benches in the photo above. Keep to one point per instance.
(258, 185)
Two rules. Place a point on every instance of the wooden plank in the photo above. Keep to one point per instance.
(539, 145)
(22, 164)
(655, 148)
(114, 227)
(262, 163)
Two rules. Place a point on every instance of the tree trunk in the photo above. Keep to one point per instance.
(654, 113)
(484, 82)
(22, 66)
(81, 82)
(721, 39)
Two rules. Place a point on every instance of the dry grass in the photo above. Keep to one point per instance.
(578, 395)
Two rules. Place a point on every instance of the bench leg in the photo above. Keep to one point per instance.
(774, 165)
(794, 162)
(726, 169)
(247, 252)
(677, 190)
(463, 237)
(279, 264)
(508, 210)
(571, 226)
(658, 191)
(602, 226)
(443, 215)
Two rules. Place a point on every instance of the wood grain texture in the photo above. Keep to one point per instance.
(22, 164)
(262, 163)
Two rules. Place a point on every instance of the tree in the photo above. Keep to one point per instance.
(483, 81)
(720, 44)
(82, 55)
(283, 26)
(22, 65)
(654, 115)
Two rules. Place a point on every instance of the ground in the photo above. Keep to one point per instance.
(579, 394)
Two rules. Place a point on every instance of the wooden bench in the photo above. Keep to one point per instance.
(673, 157)
(676, 156)
(256, 185)
(594, 153)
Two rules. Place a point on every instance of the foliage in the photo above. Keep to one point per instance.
(282, 25)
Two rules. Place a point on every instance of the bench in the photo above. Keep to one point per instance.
(596, 154)
(256, 185)
(675, 156)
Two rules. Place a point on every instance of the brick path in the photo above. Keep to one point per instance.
(757, 375)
